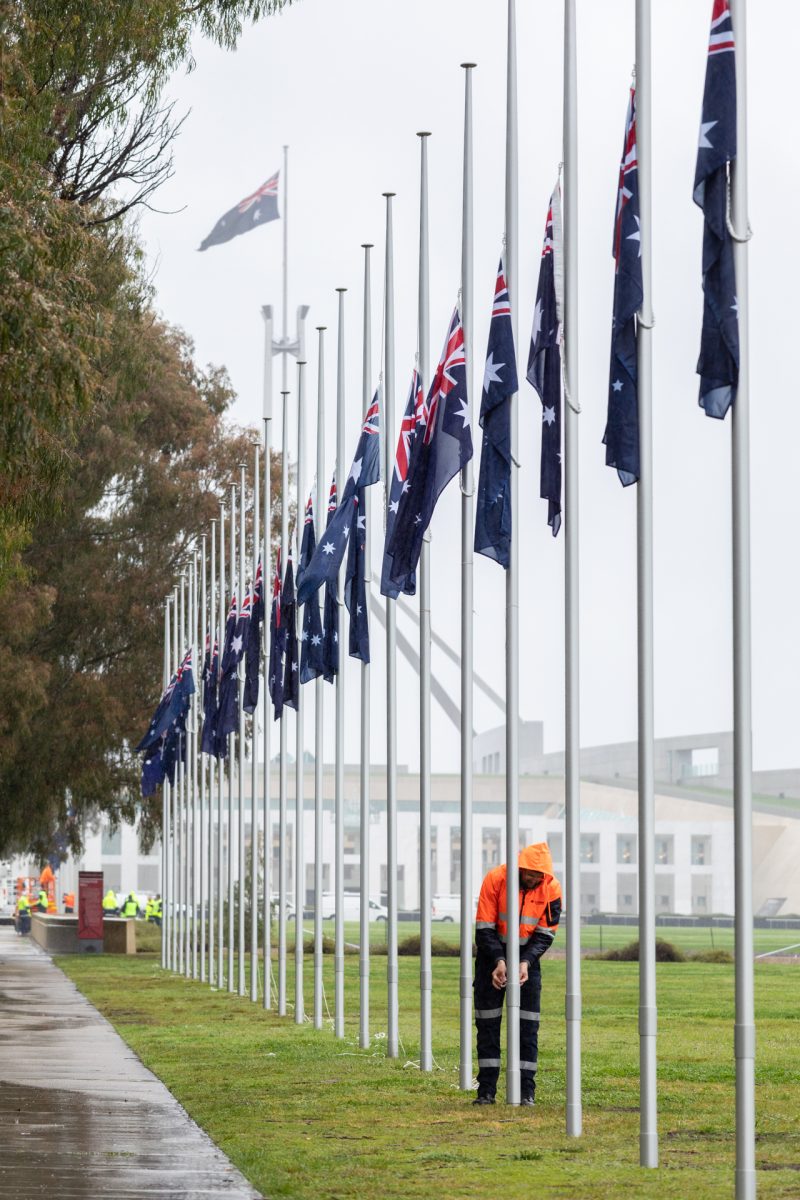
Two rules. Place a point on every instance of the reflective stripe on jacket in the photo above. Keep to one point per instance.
(538, 910)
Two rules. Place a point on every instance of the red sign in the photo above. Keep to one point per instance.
(90, 905)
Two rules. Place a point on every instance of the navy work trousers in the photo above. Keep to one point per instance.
(488, 1022)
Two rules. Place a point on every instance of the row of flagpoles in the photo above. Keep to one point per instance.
(334, 557)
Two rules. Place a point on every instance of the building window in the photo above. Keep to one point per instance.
(626, 849)
(701, 851)
(352, 841)
(490, 848)
(590, 848)
(626, 894)
(556, 843)
(455, 859)
(665, 850)
(524, 838)
(111, 841)
(147, 877)
(352, 877)
(112, 876)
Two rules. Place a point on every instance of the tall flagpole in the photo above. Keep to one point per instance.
(648, 1117)
(254, 741)
(745, 1033)
(266, 914)
(319, 701)
(392, 1024)
(231, 759)
(174, 932)
(284, 730)
(338, 954)
(201, 762)
(467, 543)
(299, 781)
(425, 966)
(221, 616)
(195, 762)
(241, 868)
(166, 882)
(364, 869)
(572, 771)
(184, 811)
(512, 598)
(212, 767)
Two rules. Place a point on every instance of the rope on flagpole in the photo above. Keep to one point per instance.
(737, 237)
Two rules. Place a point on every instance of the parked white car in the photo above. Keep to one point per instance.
(352, 907)
(448, 908)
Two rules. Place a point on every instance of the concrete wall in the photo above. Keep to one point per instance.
(59, 935)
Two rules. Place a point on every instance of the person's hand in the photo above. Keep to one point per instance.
(523, 973)
(499, 976)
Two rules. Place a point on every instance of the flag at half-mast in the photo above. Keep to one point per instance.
(291, 661)
(438, 455)
(228, 712)
(544, 361)
(253, 644)
(276, 643)
(355, 586)
(621, 438)
(208, 744)
(330, 622)
(414, 419)
(311, 662)
(493, 504)
(718, 365)
(365, 470)
(256, 209)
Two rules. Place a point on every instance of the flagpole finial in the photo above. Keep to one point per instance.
(341, 289)
(320, 328)
(367, 245)
(286, 393)
(388, 195)
(301, 362)
(468, 66)
(424, 133)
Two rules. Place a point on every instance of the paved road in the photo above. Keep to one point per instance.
(80, 1117)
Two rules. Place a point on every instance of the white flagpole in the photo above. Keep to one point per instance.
(201, 763)
(284, 731)
(364, 868)
(266, 914)
(166, 882)
(184, 819)
(745, 1033)
(319, 702)
(392, 1030)
(254, 745)
(512, 597)
(648, 1116)
(338, 956)
(299, 779)
(231, 769)
(221, 617)
(467, 551)
(574, 1108)
(241, 866)
(174, 931)
(212, 767)
(192, 749)
(425, 966)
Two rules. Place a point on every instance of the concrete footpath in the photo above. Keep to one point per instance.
(80, 1116)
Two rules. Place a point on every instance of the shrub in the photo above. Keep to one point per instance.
(711, 956)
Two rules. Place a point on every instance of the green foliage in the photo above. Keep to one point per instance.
(665, 952)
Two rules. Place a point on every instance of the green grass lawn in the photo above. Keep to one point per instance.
(303, 1114)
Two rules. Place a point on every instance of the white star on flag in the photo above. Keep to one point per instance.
(491, 372)
(316, 640)
(236, 644)
(463, 412)
(636, 237)
(359, 610)
(549, 416)
(735, 306)
(327, 548)
(393, 506)
(703, 142)
(362, 522)
(537, 320)
(617, 385)
(355, 470)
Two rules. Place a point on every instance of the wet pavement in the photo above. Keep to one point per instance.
(80, 1117)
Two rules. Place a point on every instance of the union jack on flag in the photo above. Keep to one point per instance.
(258, 208)
(414, 420)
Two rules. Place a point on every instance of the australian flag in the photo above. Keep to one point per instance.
(228, 717)
(208, 736)
(257, 209)
(291, 662)
(173, 702)
(413, 420)
(366, 470)
(253, 648)
(621, 437)
(276, 643)
(544, 367)
(330, 624)
(718, 365)
(355, 587)
(311, 663)
(493, 509)
(439, 454)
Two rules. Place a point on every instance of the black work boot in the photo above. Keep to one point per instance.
(528, 1097)
(484, 1098)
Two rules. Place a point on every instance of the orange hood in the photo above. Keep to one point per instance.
(537, 857)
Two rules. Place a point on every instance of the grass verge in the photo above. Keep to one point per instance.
(305, 1115)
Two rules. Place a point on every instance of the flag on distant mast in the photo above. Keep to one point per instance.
(257, 209)
(544, 362)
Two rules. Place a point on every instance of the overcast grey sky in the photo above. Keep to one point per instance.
(347, 85)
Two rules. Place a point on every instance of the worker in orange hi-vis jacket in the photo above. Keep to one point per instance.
(537, 918)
